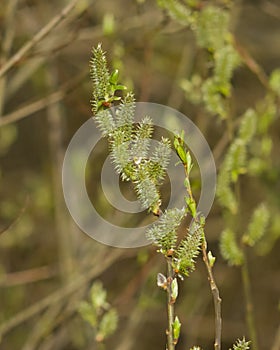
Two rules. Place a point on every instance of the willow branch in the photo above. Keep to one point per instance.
(38, 37)
(214, 289)
(216, 298)
(170, 308)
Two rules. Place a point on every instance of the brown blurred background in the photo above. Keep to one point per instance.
(47, 264)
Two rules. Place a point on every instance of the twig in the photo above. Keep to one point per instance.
(252, 64)
(27, 276)
(271, 9)
(249, 304)
(32, 108)
(7, 43)
(170, 307)
(42, 103)
(55, 118)
(21, 212)
(214, 289)
(38, 37)
(216, 298)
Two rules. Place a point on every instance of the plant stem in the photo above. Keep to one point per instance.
(170, 307)
(249, 304)
(216, 298)
(214, 289)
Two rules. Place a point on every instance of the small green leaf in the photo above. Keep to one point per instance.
(174, 290)
(189, 162)
(176, 328)
(120, 87)
(211, 258)
(180, 149)
(114, 77)
(182, 154)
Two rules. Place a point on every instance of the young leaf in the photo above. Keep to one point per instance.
(176, 328)
(211, 258)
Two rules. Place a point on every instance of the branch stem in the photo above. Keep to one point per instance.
(170, 308)
(214, 289)
(216, 298)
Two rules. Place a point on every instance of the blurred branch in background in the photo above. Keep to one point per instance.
(42, 103)
(38, 37)
(27, 276)
(7, 42)
(62, 293)
(56, 127)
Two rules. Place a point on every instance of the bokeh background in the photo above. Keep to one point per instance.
(47, 265)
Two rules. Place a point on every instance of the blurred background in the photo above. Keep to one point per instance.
(47, 265)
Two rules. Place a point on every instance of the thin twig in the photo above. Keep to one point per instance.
(38, 37)
(270, 8)
(7, 43)
(27, 276)
(213, 286)
(170, 307)
(249, 303)
(216, 298)
(252, 64)
(32, 108)
(42, 103)
(55, 117)
(21, 212)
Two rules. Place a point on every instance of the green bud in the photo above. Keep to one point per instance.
(189, 162)
(211, 258)
(176, 328)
